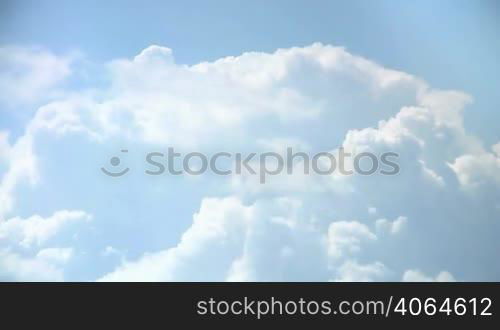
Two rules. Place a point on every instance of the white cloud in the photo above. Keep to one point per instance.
(432, 175)
(110, 251)
(4, 146)
(230, 241)
(415, 275)
(14, 267)
(240, 271)
(392, 227)
(21, 165)
(347, 237)
(312, 98)
(28, 75)
(36, 230)
(216, 236)
(352, 271)
(474, 170)
(24, 254)
(158, 101)
(55, 255)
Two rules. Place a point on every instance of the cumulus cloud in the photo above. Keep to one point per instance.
(347, 236)
(24, 254)
(215, 236)
(55, 255)
(4, 146)
(31, 74)
(36, 230)
(20, 165)
(14, 267)
(415, 275)
(314, 98)
(158, 101)
(478, 169)
(392, 227)
(352, 271)
(262, 241)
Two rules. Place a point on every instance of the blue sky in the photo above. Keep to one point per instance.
(81, 80)
(453, 44)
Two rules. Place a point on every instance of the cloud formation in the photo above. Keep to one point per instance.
(25, 252)
(295, 227)
(28, 75)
